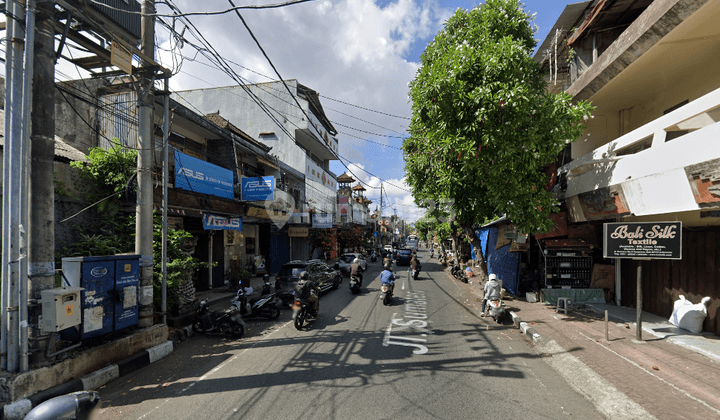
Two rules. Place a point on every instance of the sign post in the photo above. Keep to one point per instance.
(642, 241)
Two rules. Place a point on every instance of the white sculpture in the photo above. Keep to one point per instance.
(689, 316)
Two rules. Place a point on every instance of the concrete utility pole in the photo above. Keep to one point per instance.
(41, 269)
(144, 207)
(12, 275)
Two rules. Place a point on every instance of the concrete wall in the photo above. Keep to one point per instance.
(29, 383)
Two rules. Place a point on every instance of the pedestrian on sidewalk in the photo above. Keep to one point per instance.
(491, 291)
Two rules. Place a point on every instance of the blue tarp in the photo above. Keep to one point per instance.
(501, 262)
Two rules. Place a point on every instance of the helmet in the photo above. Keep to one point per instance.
(388, 266)
(304, 275)
(492, 277)
(356, 261)
(266, 277)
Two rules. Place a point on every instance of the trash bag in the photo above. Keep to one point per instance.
(689, 316)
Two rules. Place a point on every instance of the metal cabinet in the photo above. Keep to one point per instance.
(109, 301)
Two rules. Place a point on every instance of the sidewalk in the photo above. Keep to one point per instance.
(670, 374)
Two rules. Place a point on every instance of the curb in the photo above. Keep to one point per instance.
(18, 409)
(526, 329)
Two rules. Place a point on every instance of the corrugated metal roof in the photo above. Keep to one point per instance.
(565, 22)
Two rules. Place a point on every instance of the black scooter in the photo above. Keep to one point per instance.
(267, 305)
(356, 282)
(458, 273)
(226, 321)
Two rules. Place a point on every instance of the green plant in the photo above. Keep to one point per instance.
(570, 55)
(180, 265)
(106, 174)
(60, 188)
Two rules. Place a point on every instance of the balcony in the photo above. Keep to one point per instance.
(669, 165)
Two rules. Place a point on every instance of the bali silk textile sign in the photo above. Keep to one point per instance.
(193, 174)
(652, 240)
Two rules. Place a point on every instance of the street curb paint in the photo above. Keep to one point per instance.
(19, 409)
(526, 329)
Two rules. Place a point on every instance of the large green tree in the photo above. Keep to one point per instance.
(483, 123)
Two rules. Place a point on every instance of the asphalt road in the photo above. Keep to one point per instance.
(428, 356)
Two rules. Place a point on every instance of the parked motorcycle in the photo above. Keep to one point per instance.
(458, 273)
(77, 405)
(267, 287)
(386, 293)
(226, 321)
(266, 305)
(496, 309)
(373, 257)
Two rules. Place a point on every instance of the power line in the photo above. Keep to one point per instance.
(221, 12)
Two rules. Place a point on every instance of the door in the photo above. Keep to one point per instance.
(98, 279)
(279, 252)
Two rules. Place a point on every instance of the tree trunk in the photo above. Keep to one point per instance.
(475, 241)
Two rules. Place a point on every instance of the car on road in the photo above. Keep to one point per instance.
(346, 260)
(324, 275)
(403, 256)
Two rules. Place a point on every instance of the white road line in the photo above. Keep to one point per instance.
(218, 367)
(687, 394)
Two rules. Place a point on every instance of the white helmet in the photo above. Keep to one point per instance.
(356, 261)
(492, 277)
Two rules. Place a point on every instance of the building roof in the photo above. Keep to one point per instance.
(565, 22)
(345, 179)
(358, 187)
(221, 122)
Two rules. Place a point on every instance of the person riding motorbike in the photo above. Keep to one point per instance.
(492, 291)
(356, 271)
(308, 290)
(414, 263)
(387, 260)
(387, 277)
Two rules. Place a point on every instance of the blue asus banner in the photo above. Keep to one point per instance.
(196, 175)
(258, 188)
(214, 222)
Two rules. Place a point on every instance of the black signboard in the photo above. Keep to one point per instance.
(652, 240)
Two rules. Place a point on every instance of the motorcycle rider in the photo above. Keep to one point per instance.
(356, 270)
(491, 290)
(414, 263)
(308, 290)
(387, 260)
(387, 277)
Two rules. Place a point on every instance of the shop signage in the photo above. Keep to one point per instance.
(193, 174)
(322, 221)
(298, 232)
(259, 188)
(214, 222)
(344, 208)
(655, 240)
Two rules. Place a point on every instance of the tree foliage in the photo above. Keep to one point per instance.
(483, 123)
(106, 174)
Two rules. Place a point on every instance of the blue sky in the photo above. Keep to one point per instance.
(359, 55)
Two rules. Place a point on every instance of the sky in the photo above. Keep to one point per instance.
(359, 55)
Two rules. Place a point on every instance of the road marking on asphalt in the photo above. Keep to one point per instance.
(414, 320)
(217, 368)
(610, 401)
(687, 394)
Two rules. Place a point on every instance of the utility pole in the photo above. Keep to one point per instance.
(144, 207)
(381, 208)
(41, 269)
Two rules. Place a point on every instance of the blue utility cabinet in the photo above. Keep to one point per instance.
(110, 299)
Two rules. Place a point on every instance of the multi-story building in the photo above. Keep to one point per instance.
(294, 125)
(650, 152)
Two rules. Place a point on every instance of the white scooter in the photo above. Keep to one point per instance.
(496, 309)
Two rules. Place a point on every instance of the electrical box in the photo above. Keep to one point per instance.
(60, 308)
(109, 300)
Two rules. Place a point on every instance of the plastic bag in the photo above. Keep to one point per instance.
(689, 316)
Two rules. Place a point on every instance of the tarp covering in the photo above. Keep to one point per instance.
(501, 262)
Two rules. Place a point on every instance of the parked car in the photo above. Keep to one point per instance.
(346, 260)
(326, 277)
(403, 256)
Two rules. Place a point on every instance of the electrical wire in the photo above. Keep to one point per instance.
(221, 12)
